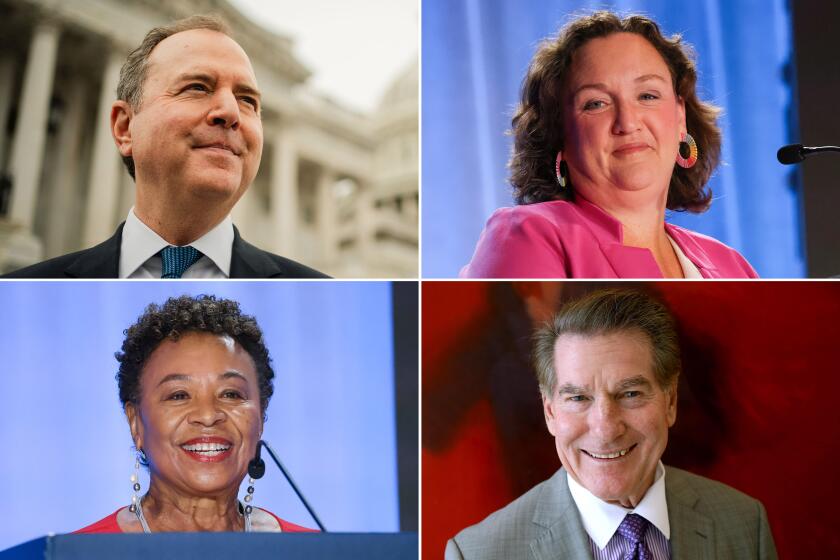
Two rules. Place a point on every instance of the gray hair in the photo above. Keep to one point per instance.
(133, 72)
(606, 312)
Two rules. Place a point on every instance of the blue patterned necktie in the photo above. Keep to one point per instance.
(633, 528)
(178, 259)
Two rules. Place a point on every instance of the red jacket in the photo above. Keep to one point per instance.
(110, 525)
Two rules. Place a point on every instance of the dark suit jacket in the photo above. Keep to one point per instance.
(709, 521)
(103, 261)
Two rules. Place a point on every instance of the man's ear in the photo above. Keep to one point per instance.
(671, 403)
(548, 411)
(121, 115)
(134, 424)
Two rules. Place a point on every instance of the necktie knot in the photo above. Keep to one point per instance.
(633, 528)
(178, 259)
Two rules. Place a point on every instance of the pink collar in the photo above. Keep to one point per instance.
(636, 261)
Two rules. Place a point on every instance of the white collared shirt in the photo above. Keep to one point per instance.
(689, 269)
(601, 519)
(139, 256)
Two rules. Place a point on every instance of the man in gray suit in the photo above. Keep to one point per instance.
(608, 366)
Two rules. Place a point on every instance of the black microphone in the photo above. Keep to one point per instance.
(795, 153)
(256, 466)
(256, 469)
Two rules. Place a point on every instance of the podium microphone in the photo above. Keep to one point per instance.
(795, 153)
(256, 469)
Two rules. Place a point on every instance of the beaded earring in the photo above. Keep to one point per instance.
(135, 479)
(688, 140)
(558, 171)
(249, 497)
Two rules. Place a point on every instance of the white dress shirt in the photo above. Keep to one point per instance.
(601, 519)
(139, 256)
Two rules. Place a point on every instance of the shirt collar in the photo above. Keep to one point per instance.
(140, 243)
(689, 269)
(689, 246)
(601, 519)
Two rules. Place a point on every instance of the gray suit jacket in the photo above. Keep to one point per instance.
(709, 521)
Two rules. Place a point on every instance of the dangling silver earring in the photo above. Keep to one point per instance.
(248, 508)
(249, 497)
(135, 479)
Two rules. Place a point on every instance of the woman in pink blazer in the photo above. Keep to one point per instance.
(608, 135)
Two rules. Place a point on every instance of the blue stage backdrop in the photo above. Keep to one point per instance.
(67, 452)
(476, 53)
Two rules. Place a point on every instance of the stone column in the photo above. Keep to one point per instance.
(365, 218)
(7, 74)
(411, 209)
(284, 191)
(60, 215)
(103, 191)
(327, 218)
(31, 130)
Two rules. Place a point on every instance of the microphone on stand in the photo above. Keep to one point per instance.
(256, 466)
(256, 469)
(795, 153)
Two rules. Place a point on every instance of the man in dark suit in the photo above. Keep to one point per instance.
(608, 367)
(187, 124)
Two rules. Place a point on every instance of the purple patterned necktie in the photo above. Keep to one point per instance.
(633, 528)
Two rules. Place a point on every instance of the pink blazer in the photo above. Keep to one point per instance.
(561, 239)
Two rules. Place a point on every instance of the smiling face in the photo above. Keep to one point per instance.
(198, 417)
(608, 415)
(197, 134)
(622, 119)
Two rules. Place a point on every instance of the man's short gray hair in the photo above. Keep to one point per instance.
(133, 72)
(607, 312)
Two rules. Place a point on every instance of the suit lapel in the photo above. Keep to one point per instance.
(693, 251)
(101, 261)
(631, 262)
(246, 261)
(626, 262)
(564, 537)
(692, 533)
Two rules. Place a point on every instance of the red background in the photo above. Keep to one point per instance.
(759, 400)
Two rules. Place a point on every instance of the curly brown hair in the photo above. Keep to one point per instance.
(537, 126)
(178, 316)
